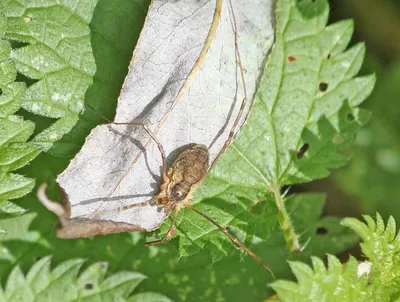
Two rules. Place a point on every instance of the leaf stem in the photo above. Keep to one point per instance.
(285, 222)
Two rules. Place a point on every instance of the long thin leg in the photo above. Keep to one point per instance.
(160, 148)
(124, 208)
(245, 99)
(144, 126)
(184, 88)
(233, 239)
(191, 76)
(168, 234)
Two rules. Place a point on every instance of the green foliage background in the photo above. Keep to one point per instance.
(370, 182)
(212, 270)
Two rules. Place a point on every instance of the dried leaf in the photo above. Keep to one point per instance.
(171, 42)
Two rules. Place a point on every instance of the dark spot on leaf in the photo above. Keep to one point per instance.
(28, 81)
(323, 86)
(350, 117)
(37, 259)
(1, 91)
(88, 286)
(291, 59)
(321, 231)
(17, 44)
(302, 150)
(328, 56)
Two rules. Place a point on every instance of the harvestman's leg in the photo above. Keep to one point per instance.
(164, 166)
(226, 144)
(168, 234)
(244, 102)
(233, 239)
(196, 67)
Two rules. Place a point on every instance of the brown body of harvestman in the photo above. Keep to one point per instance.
(186, 173)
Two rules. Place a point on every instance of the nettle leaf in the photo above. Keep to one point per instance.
(382, 247)
(63, 283)
(89, 180)
(247, 212)
(58, 56)
(195, 278)
(235, 193)
(9, 209)
(305, 110)
(376, 158)
(320, 235)
(349, 282)
(291, 110)
(337, 283)
(15, 151)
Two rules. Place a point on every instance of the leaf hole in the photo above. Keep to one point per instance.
(291, 58)
(28, 19)
(17, 44)
(323, 86)
(28, 81)
(321, 231)
(302, 150)
(88, 286)
(350, 117)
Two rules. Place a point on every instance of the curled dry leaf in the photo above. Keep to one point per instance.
(120, 165)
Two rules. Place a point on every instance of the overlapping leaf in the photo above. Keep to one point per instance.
(373, 174)
(307, 99)
(291, 110)
(381, 246)
(227, 197)
(15, 151)
(64, 284)
(58, 56)
(345, 282)
(197, 277)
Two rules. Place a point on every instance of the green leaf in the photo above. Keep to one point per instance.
(196, 277)
(346, 282)
(291, 112)
(337, 283)
(373, 174)
(228, 198)
(247, 212)
(64, 284)
(58, 56)
(149, 297)
(9, 209)
(382, 247)
(317, 235)
(15, 152)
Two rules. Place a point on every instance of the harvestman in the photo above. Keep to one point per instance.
(190, 167)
